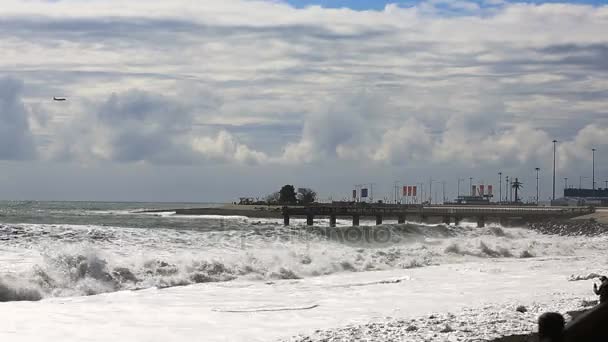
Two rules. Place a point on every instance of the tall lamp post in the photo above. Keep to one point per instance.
(511, 190)
(435, 193)
(507, 189)
(471, 186)
(593, 174)
(422, 192)
(499, 187)
(565, 183)
(537, 194)
(580, 181)
(396, 190)
(554, 152)
(459, 180)
(430, 190)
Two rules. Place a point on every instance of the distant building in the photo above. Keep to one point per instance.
(583, 197)
(587, 193)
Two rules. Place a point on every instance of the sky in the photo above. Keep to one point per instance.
(381, 4)
(213, 100)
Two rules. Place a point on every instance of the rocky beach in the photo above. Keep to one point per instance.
(492, 323)
(588, 227)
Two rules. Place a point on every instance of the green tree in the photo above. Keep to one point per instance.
(288, 195)
(306, 196)
(517, 185)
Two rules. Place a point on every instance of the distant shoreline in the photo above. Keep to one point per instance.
(251, 211)
(275, 211)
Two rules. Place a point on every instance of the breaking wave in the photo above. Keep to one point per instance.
(81, 261)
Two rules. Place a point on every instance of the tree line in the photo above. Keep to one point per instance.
(289, 196)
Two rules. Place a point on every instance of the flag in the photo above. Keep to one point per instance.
(363, 193)
(414, 188)
(481, 190)
(354, 194)
(490, 188)
(474, 190)
(409, 190)
(405, 191)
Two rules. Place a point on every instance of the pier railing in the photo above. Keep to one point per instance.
(447, 213)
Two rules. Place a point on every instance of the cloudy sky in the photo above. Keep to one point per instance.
(205, 100)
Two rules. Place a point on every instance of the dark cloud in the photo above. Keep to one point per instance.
(16, 141)
(101, 29)
(592, 56)
(146, 126)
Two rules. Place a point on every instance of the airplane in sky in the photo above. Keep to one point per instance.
(55, 98)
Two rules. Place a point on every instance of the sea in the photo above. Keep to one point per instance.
(100, 271)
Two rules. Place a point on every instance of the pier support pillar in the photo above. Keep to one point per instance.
(504, 221)
(423, 218)
(332, 220)
(355, 220)
(286, 220)
(481, 222)
(457, 220)
(447, 220)
(401, 219)
(378, 219)
(310, 220)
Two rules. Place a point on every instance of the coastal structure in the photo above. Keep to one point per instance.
(447, 214)
(583, 197)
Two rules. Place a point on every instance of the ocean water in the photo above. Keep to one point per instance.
(58, 255)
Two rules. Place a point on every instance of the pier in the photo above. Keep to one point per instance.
(445, 214)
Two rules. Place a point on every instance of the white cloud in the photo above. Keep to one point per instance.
(486, 87)
(409, 143)
(224, 147)
(578, 149)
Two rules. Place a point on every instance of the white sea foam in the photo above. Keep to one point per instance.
(68, 260)
(478, 294)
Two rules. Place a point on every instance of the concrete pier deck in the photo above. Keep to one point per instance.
(447, 214)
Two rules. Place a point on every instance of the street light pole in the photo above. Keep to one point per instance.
(565, 183)
(593, 174)
(580, 181)
(511, 190)
(396, 190)
(499, 187)
(443, 188)
(537, 194)
(471, 186)
(430, 190)
(459, 180)
(554, 151)
(507, 189)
